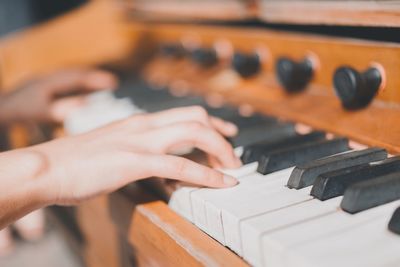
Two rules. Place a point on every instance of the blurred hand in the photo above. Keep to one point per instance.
(50, 99)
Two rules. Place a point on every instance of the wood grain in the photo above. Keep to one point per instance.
(191, 10)
(348, 13)
(101, 247)
(165, 239)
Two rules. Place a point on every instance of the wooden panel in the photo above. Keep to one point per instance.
(317, 106)
(101, 240)
(168, 240)
(366, 13)
(191, 9)
(93, 34)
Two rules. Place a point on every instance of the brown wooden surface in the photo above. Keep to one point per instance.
(93, 34)
(354, 13)
(101, 247)
(191, 10)
(163, 238)
(317, 106)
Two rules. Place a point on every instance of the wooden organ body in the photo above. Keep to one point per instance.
(189, 48)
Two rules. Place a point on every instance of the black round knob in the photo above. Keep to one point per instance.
(172, 50)
(356, 90)
(204, 57)
(294, 76)
(247, 65)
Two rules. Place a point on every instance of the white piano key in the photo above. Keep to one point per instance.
(257, 203)
(198, 201)
(366, 245)
(101, 108)
(244, 189)
(206, 202)
(180, 202)
(277, 244)
(253, 229)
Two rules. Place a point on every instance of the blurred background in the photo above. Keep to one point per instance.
(51, 248)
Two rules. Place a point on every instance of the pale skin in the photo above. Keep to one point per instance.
(69, 170)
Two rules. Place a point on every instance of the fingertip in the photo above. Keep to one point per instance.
(99, 79)
(231, 129)
(229, 181)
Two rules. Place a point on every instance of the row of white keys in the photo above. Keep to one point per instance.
(253, 229)
(101, 109)
(206, 202)
(267, 198)
(301, 241)
(180, 200)
(368, 245)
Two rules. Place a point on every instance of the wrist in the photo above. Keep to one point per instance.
(28, 175)
(8, 114)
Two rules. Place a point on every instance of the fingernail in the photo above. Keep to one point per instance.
(232, 127)
(238, 162)
(229, 180)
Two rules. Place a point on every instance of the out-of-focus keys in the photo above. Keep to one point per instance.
(278, 245)
(365, 245)
(305, 174)
(252, 153)
(259, 133)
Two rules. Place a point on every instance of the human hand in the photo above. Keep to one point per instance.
(103, 160)
(50, 99)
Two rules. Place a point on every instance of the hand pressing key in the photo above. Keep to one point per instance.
(69, 170)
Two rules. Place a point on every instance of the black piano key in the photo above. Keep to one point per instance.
(394, 223)
(285, 158)
(333, 184)
(372, 193)
(262, 132)
(253, 152)
(304, 175)
(254, 120)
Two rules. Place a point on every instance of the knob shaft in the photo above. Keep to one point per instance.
(247, 65)
(173, 50)
(205, 57)
(354, 89)
(294, 76)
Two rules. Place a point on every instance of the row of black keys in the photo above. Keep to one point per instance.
(275, 145)
(366, 178)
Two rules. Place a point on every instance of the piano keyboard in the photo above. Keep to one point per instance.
(302, 200)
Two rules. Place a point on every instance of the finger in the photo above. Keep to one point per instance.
(196, 135)
(193, 113)
(182, 169)
(225, 127)
(61, 109)
(74, 80)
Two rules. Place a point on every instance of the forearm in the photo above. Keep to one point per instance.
(22, 184)
(8, 112)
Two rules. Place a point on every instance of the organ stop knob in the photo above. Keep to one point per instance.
(247, 65)
(205, 57)
(173, 50)
(294, 76)
(356, 90)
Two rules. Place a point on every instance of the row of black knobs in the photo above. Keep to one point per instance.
(354, 89)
